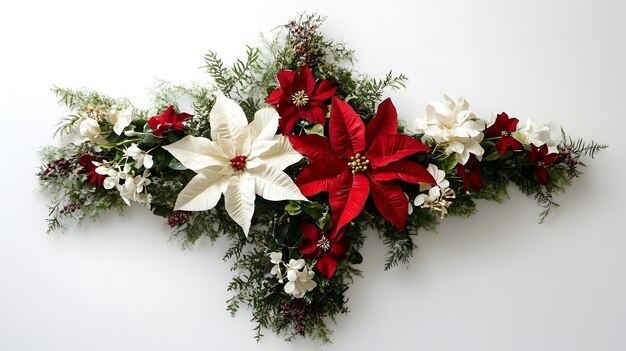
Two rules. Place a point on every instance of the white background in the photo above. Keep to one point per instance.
(496, 281)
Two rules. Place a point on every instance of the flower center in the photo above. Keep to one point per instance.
(323, 243)
(540, 164)
(504, 133)
(358, 163)
(300, 98)
(239, 162)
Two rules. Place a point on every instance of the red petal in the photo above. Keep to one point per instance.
(390, 148)
(306, 81)
(514, 144)
(390, 202)
(385, 122)
(324, 91)
(310, 231)
(502, 145)
(327, 265)
(407, 171)
(286, 124)
(309, 249)
(314, 147)
(274, 97)
(550, 158)
(347, 131)
(285, 79)
(183, 117)
(339, 248)
(319, 176)
(542, 175)
(347, 197)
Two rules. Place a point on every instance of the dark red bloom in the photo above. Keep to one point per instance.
(169, 119)
(357, 159)
(86, 161)
(470, 172)
(326, 246)
(502, 129)
(540, 158)
(299, 97)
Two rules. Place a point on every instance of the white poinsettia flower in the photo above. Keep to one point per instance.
(439, 175)
(120, 119)
(455, 125)
(142, 158)
(243, 160)
(530, 133)
(301, 284)
(293, 267)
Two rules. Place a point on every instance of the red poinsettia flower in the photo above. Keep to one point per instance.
(169, 119)
(299, 97)
(86, 161)
(502, 129)
(326, 246)
(470, 172)
(357, 159)
(540, 158)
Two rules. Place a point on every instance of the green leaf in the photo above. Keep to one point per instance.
(287, 232)
(160, 210)
(176, 165)
(315, 129)
(354, 256)
(293, 208)
(448, 163)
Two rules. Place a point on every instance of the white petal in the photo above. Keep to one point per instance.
(122, 122)
(276, 257)
(196, 153)
(281, 155)
(289, 287)
(147, 161)
(227, 119)
(275, 185)
(264, 125)
(202, 193)
(239, 200)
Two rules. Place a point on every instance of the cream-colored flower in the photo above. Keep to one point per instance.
(454, 125)
(530, 133)
(301, 284)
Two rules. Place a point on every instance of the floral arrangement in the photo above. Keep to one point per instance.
(293, 155)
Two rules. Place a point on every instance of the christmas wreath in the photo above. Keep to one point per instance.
(292, 155)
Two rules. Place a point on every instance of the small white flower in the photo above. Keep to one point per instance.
(90, 130)
(437, 200)
(301, 284)
(530, 133)
(120, 119)
(142, 158)
(455, 125)
(276, 258)
(439, 175)
(133, 188)
(293, 267)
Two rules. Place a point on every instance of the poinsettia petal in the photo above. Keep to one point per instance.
(274, 97)
(324, 90)
(264, 125)
(310, 231)
(347, 197)
(197, 153)
(347, 130)
(313, 146)
(285, 79)
(514, 144)
(542, 174)
(502, 145)
(389, 148)
(550, 158)
(385, 122)
(275, 185)
(309, 249)
(327, 265)
(407, 171)
(306, 80)
(390, 201)
(280, 155)
(339, 248)
(319, 176)
(202, 192)
(239, 200)
(287, 120)
(227, 119)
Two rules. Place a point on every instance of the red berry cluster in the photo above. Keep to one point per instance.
(178, 218)
(306, 42)
(567, 157)
(56, 168)
(293, 309)
(67, 209)
(239, 162)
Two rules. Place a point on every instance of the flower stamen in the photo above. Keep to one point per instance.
(300, 98)
(323, 243)
(239, 162)
(358, 163)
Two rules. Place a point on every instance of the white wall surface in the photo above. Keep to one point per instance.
(496, 281)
